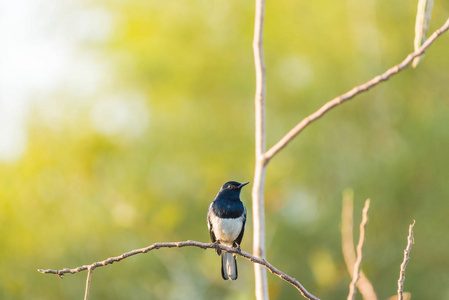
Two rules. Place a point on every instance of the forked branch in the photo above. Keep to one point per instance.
(358, 262)
(154, 246)
(352, 93)
(347, 233)
(260, 274)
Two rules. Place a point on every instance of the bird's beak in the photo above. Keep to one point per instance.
(243, 184)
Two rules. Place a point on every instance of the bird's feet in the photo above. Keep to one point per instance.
(237, 246)
(218, 250)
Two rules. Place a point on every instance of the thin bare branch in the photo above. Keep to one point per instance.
(358, 262)
(259, 98)
(260, 274)
(353, 92)
(347, 235)
(155, 246)
(89, 276)
(410, 241)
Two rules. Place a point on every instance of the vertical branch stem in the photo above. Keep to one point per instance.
(364, 285)
(89, 275)
(358, 262)
(261, 286)
(260, 78)
(405, 261)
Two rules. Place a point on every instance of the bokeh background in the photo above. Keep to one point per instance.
(119, 121)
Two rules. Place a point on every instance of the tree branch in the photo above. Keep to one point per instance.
(155, 246)
(260, 274)
(353, 92)
(407, 250)
(358, 262)
(347, 235)
(89, 276)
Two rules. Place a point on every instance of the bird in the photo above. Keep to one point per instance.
(226, 220)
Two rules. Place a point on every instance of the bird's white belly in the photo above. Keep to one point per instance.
(226, 230)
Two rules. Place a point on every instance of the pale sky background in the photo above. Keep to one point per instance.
(41, 53)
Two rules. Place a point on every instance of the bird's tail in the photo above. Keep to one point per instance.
(228, 266)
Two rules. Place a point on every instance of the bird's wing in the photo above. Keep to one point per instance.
(238, 240)
(209, 225)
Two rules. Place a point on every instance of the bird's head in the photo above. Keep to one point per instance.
(232, 189)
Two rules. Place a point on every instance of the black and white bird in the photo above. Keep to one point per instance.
(226, 219)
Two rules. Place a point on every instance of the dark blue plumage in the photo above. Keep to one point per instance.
(226, 219)
(228, 208)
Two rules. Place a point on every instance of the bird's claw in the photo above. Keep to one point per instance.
(239, 250)
(217, 250)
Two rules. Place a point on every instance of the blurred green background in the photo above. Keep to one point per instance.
(120, 120)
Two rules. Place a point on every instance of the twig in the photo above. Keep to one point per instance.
(154, 246)
(89, 275)
(260, 274)
(363, 284)
(407, 250)
(353, 92)
(358, 262)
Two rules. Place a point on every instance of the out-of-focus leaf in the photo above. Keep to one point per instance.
(423, 16)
